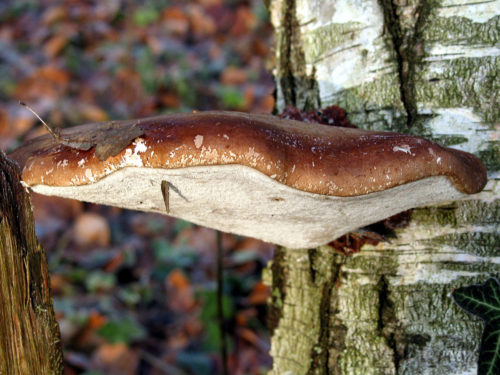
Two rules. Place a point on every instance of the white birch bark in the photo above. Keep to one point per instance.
(423, 67)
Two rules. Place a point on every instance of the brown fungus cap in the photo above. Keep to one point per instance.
(317, 159)
(291, 183)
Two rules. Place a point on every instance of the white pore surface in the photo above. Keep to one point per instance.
(241, 200)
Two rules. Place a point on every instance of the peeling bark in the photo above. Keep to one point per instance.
(29, 334)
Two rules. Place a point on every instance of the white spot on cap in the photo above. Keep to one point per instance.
(89, 175)
(140, 146)
(403, 148)
(132, 158)
(226, 136)
(81, 163)
(198, 141)
(63, 163)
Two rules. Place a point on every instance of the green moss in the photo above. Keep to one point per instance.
(461, 82)
(385, 264)
(456, 214)
(462, 30)
(449, 140)
(478, 212)
(374, 95)
(327, 37)
(491, 156)
(436, 215)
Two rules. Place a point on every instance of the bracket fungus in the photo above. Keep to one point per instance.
(287, 182)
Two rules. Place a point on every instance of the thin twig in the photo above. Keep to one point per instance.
(220, 312)
(52, 132)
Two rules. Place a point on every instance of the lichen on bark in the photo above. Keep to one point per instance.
(390, 310)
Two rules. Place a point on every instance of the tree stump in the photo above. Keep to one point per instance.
(30, 341)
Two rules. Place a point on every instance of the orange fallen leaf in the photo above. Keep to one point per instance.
(92, 112)
(54, 74)
(266, 104)
(202, 25)
(209, 3)
(233, 76)
(248, 335)
(47, 82)
(115, 359)
(244, 21)
(54, 45)
(54, 14)
(96, 320)
(115, 262)
(57, 282)
(175, 21)
(180, 292)
(178, 280)
(260, 294)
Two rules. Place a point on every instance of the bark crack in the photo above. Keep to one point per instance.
(387, 320)
(278, 288)
(408, 45)
(328, 346)
(298, 89)
(287, 79)
(12, 191)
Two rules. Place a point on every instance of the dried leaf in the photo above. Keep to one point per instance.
(55, 45)
(92, 229)
(115, 359)
(110, 138)
(233, 76)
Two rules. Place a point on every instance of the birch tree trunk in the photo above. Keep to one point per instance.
(426, 67)
(29, 334)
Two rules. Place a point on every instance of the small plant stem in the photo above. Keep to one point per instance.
(220, 312)
(53, 133)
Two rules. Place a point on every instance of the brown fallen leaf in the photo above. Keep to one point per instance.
(180, 293)
(55, 45)
(109, 138)
(260, 294)
(115, 359)
(233, 76)
(92, 229)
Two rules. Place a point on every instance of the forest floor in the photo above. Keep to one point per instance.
(134, 293)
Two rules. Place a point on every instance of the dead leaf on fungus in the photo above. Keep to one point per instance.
(109, 139)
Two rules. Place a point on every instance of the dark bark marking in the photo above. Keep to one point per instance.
(387, 322)
(331, 340)
(312, 253)
(278, 288)
(11, 191)
(298, 89)
(409, 48)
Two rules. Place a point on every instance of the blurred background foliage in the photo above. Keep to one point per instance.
(134, 293)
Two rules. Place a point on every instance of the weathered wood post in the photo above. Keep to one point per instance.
(29, 334)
